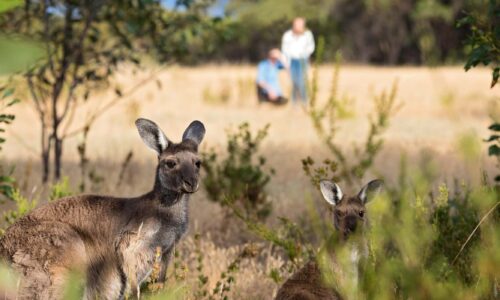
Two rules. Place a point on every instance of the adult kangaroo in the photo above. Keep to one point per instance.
(114, 242)
(349, 216)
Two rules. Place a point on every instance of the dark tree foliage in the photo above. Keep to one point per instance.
(494, 145)
(6, 180)
(85, 41)
(483, 42)
(483, 39)
(368, 31)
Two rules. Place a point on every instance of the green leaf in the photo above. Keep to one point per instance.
(495, 76)
(8, 93)
(494, 127)
(13, 102)
(6, 5)
(494, 150)
(493, 138)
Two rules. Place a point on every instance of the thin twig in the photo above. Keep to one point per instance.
(474, 231)
(109, 105)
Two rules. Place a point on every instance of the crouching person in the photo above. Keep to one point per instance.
(268, 84)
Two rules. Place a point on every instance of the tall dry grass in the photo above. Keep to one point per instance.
(443, 108)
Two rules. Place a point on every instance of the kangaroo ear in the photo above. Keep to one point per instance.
(331, 192)
(195, 132)
(370, 190)
(152, 135)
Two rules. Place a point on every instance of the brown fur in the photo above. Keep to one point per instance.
(112, 241)
(307, 284)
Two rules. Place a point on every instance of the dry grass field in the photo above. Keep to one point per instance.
(442, 109)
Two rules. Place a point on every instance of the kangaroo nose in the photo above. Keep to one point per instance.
(351, 224)
(190, 185)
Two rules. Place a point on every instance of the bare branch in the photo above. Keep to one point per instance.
(98, 113)
(79, 51)
(47, 43)
(70, 99)
(34, 95)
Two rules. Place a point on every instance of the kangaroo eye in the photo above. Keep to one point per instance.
(339, 213)
(361, 214)
(171, 164)
(198, 164)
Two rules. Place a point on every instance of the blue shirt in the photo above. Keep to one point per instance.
(268, 73)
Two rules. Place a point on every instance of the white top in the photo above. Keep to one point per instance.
(297, 46)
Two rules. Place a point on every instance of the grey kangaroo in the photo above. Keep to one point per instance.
(349, 216)
(114, 242)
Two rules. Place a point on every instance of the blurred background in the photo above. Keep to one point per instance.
(403, 90)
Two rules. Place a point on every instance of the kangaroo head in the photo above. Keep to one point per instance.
(349, 211)
(178, 163)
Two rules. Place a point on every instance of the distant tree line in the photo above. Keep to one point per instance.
(365, 31)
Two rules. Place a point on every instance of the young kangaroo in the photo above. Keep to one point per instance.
(115, 242)
(349, 216)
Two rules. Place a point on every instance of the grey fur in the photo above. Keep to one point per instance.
(114, 242)
(152, 135)
(370, 190)
(331, 191)
(194, 132)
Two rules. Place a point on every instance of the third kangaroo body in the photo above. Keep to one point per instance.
(349, 216)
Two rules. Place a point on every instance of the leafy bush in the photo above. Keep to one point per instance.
(239, 177)
(417, 255)
(483, 40)
(60, 189)
(23, 206)
(494, 147)
(419, 246)
(6, 180)
(326, 118)
(484, 48)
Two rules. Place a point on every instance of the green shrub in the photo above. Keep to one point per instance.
(239, 177)
(494, 145)
(60, 189)
(6, 101)
(483, 40)
(420, 247)
(327, 117)
(23, 206)
(453, 221)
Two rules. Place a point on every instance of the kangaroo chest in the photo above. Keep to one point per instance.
(154, 238)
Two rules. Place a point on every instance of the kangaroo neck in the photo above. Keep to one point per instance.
(168, 197)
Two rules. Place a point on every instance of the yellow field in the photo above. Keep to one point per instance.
(442, 107)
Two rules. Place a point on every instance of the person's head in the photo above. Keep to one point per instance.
(274, 54)
(299, 25)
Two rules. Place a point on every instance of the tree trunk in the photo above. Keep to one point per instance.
(45, 166)
(57, 157)
(56, 139)
(45, 141)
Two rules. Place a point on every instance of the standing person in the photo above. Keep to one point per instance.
(268, 84)
(297, 45)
